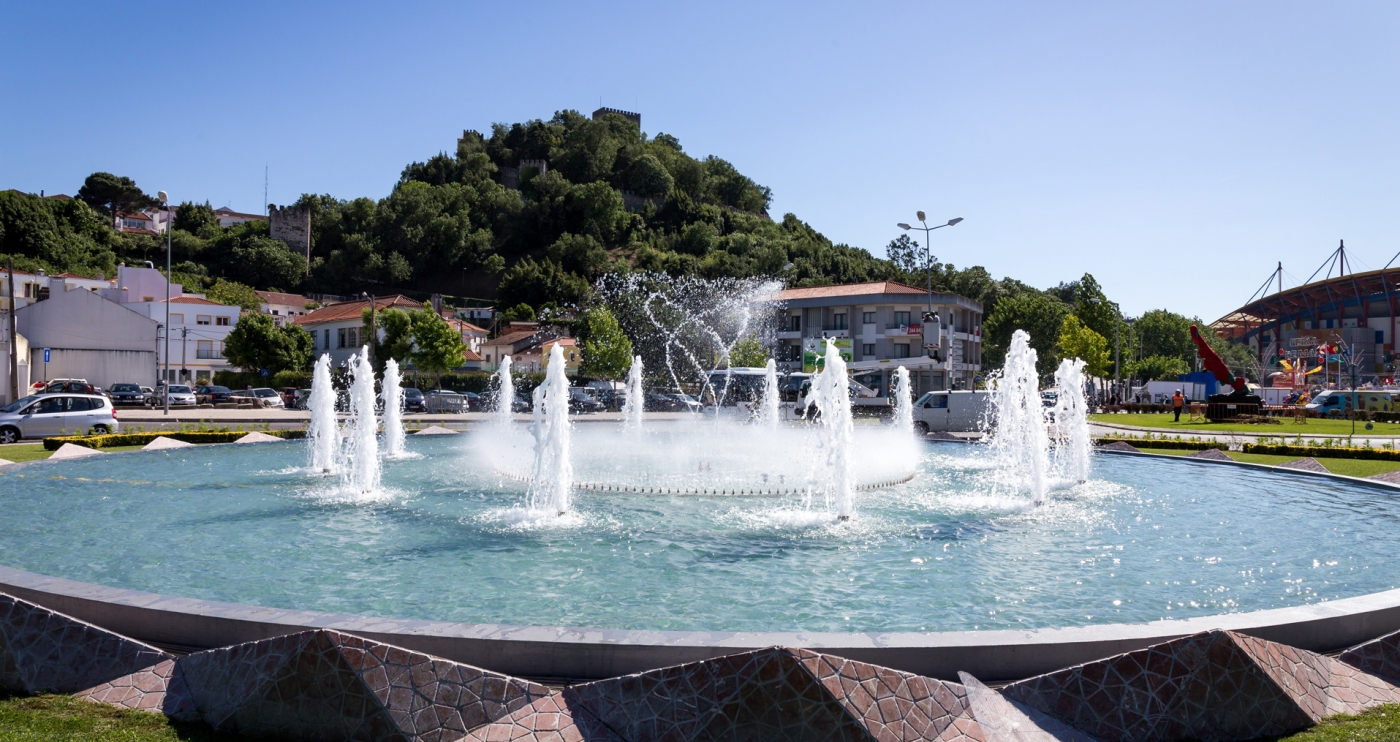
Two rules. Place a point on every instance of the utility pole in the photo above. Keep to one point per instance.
(14, 335)
(184, 352)
(164, 199)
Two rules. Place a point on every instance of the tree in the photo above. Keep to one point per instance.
(581, 254)
(397, 326)
(1165, 333)
(1040, 315)
(538, 283)
(256, 343)
(437, 347)
(1078, 340)
(649, 178)
(907, 255)
(1158, 368)
(234, 294)
(748, 353)
(195, 218)
(111, 194)
(1093, 308)
(607, 351)
(519, 313)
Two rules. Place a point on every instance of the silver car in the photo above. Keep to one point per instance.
(41, 415)
(180, 394)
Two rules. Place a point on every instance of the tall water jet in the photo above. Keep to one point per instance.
(322, 435)
(1071, 416)
(361, 472)
(635, 404)
(393, 410)
(505, 394)
(554, 470)
(903, 402)
(831, 395)
(1021, 443)
(768, 413)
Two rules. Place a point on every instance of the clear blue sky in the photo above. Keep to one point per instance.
(1175, 150)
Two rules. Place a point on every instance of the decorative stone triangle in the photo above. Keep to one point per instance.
(165, 442)
(46, 652)
(436, 430)
(73, 451)
(256, 437)
(1001, 719)
(1210, 454)
(1305, 464)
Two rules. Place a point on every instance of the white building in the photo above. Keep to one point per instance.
(88, 337)
(228, 217)
(878, 327)
(198, 326)
(283, 306)
(338, 329)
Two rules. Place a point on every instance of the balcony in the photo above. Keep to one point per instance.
(208, 355)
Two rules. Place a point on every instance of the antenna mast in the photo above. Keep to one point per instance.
(264, 189)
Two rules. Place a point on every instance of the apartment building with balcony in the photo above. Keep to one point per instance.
(882, 325)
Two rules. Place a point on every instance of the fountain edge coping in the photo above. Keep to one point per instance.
(581, 653)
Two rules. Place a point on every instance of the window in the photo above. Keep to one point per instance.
(31, 291)
(204, 349)
(901, 318)
(221, 321)
(353, 335)
(795, 323)
(901, 350)
(868, 318)
(326, 345)
(177, 319)
(867, 349)
(203, 319)
(148, 298)
(838, 321)
(937, 402)
(341, 337)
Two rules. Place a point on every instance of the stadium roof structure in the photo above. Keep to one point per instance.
(1359, 296)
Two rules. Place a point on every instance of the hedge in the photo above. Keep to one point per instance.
(140, 439)
(1174, 445)
(1334, 452)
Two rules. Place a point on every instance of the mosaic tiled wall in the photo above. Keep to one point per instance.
(326, 685)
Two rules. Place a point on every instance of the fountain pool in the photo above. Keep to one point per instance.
(443, 537)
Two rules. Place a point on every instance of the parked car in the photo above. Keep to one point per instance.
(581, 400)
(40, 415)
(299, 399)
(210, 394)
(953, 411)
(71, 386)
(613, 399)
(179, 395)
(521, 403)
(266, 397)
(124, 393)
(474, 401)
(444, 401)
(413, 400)
(289, 396)
(674, 402)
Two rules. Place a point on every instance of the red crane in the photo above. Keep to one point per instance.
(1215, 365)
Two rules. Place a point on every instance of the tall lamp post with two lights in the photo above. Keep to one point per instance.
(928, 251)
(164, 199)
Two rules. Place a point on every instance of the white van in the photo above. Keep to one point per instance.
(953, 411)
(1336, 404)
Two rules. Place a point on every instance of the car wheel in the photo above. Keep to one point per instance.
(9, 435)
(921, 428)
(100, 430)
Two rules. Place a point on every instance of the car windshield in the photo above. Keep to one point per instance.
(217, 389)
(125, 388)
(17, 404)
(179, 390)
(265, 392)
(412, 393)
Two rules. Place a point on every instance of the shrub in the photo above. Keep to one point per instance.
(141, 439)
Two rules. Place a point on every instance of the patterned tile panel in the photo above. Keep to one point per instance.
(1378, 657)
(1001, 719)
(160, 688)
(762, 695)
(328, 685)
(892, 705)
(550, 719)
(1320, 685)
(1204, 686)
(46, 652)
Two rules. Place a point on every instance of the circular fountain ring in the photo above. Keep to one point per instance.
(739, 491)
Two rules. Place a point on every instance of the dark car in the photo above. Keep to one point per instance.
(210, 394)
(671, 403)
(613, 399)
(413, 400)
(289, 397)
(474, 403)
(581, 400)
(123, 393)
(521, 403)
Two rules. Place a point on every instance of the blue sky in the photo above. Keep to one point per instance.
(1177, 151)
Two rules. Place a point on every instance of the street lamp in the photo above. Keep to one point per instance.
(1116, 340)
(164, 199)
(928, 251)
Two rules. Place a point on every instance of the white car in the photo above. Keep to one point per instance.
(179, 395)
(40, 415)
(269, 397)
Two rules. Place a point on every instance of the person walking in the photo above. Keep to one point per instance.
(1177, 402)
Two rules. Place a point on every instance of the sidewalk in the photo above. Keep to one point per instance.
(287, 419)
(1276, 431)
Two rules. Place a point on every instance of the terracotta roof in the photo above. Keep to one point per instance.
(353, 309)
(470, 355)
(130, 230)
(195, 300)
(73, 275)
(227, 212)
(513, 338)
(560, 341)
(276, 297)
(850, 289)
(135, 215)
(461, 325)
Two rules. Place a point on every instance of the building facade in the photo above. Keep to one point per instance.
(338, 329)
(282, 307)
(879, 327)
(88, 337)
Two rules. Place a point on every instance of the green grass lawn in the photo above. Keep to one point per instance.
(1346, 467)
(51, 718)
(1314, 426)
(1380, 724)
(20, 452)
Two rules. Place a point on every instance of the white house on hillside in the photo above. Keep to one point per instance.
(338, 329)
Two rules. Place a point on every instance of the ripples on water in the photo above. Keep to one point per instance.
(448, 538)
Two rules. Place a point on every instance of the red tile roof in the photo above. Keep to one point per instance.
(470, 355)
(353, 309)
(195, 300)
(276, 297)
(513, 338)
(850, 289)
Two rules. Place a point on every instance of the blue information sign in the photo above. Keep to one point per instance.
(46, 355)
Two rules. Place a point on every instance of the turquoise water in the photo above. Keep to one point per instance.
(1142, 540)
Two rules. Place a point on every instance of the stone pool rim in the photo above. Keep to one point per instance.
(593, 653)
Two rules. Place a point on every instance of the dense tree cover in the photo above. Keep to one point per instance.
(1079, 340)
(607, 351)
(255, 343)
(110, 194)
